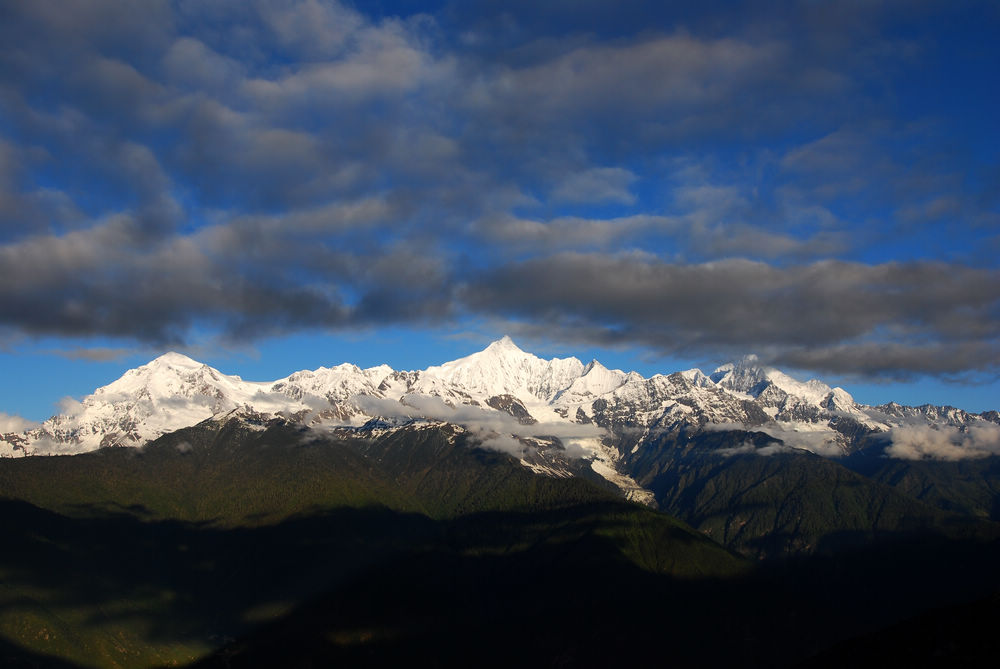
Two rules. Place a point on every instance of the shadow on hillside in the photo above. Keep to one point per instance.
(99, 582)
(13, 656)
(563, 606)
(955, 636)
(375, 587)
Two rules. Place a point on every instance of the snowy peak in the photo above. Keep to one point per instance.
(504, 369)
(505, 343)
(748, 376)
(169, 375)
(175, 391)
(696, 378)
(340, 382)
(175, 360)
(841, 401)
(742, 376)
(596, 380)
(812, 391)
(167, 393)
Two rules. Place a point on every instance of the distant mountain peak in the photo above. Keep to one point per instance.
(747, 375)
(502, 349)
(174, 359)
(741, 375)
(504, 343)
(497, 351)
(503, 368)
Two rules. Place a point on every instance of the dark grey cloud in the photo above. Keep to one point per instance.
(109, 280)
(676, 71)
(892, 318)
(18, 211)
(570, 232)
(378, 101)
(94, 354)
(191, 64)
(229, 127)
(597, 184)
(958, 359)
(713, 223)
(251, 168)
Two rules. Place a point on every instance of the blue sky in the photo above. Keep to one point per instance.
(271, 186)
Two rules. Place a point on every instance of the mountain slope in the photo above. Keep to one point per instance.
(970, 487)
(367, 515)
(657, 440)
(129, 557)
(765, 501)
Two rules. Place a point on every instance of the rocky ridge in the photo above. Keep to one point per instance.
(548, 413)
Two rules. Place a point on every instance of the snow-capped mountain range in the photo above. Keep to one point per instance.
(512, 399)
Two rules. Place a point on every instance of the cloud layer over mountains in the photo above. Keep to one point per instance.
(922, 442)
(679, 180)
(494, 429)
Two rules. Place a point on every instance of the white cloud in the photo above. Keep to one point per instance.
(14, 423)
(821, 442)
(495, 429)
(945, 443)
(793, 436)
(69, 406)
(747, 447)
(505, 443)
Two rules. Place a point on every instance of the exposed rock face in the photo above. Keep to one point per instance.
(512, 405)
